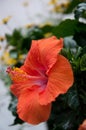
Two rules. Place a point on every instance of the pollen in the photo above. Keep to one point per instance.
(18, 75)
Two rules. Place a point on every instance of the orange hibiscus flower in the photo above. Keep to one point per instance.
(45, 75)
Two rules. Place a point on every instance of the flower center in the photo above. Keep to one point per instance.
(40, 80)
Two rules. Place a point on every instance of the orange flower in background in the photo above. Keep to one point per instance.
(45, 75)
(83, 126)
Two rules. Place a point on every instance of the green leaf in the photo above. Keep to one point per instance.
(68, 27)
(12, 105)
(65, 121)
(80, 11)
(12, 108)
(83, 51)
(72, 99)
(47, 28)
(17, 120)
(80, 37)
(83, 63)
(72, 5)
(83, 97)
(65, 28)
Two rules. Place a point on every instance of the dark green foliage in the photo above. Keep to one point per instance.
(68, 27)
(83, 63)
(47, 28)
(72, 5)
(12, 108)
(80, 11)
(22, 42)
(80, 38)
(65, 28)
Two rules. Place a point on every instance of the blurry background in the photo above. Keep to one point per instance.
(23, 12)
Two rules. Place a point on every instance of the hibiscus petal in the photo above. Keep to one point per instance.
(29, 108)
(43, 54)
(59, 81)
(16, 89)
(49, 48)
(32, 64)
